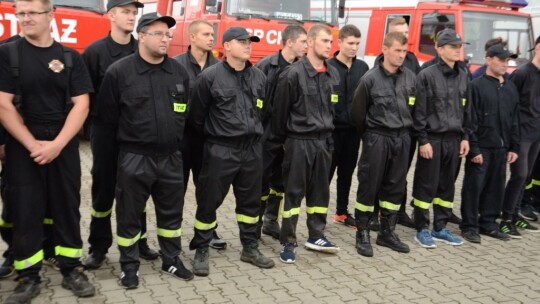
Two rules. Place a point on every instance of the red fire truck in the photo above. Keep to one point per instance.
(476, 20)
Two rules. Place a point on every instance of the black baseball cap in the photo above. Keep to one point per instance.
(146, 19)
(115, 3)
(449, 36)
(499, 51)
(535, 44)
(238, 33)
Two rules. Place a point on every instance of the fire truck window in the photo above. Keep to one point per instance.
(178, 8)
(307, 10)
(391, 17)
(93, 5)
(213, 9)
(431, 24)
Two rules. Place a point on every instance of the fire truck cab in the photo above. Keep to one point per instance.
(476, 20)
(265, 19)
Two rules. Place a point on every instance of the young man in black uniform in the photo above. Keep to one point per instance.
(294, 47)
(494, 143)
(381, 112)
(50, 90)
(303, 121)
(345, 135)
(197, 58)
(148, 82)
(227, 102)
(98, 57)
(442, 121)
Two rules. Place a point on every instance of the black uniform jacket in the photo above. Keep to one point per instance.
(192, 66)
(527, 80)
(304, 98)
(146, 104)
(496, 115)
(442, 102)
(349, 79)
(227, 105)
(383, 100)
(411, 62)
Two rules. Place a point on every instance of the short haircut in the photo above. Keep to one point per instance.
(394, 36)
(46, 3)
(193, 28)
(494, 41)
(349, 30)
(292, 32)
(316, 28)
(397, 21)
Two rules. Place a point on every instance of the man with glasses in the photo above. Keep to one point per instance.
(226, 106)
(43, 104)
(98, 57)
(143, 101)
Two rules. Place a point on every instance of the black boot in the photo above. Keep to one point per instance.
(145, 252)
(270, 223)
(363, 243)
(404, 219)
(374, 222)
(388, 238)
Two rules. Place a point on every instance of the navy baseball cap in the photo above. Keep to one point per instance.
(499, 51)
(115, 3)
(449, 36)
(146, 19)
(238, 33)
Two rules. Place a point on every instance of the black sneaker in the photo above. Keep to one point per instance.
(95, 260)
(201, 262)
(522, 223)
(527, 212)
(7, 268)
(145, 252)
(25, 291)
(508, 228)
(495, 234)
(345, 219)
(217, 242)
(471, 236)
(130, 278)
(454, 219)
(177, 270)
(77, 282)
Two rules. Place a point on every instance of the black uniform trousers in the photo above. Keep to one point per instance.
(344, 159)
(434, 181)
(192, 151)
(520, 171)
(225, 165)
(139, 177)
(382, 172)
(104, 163)
(272, 178)
(306, 167)
(483, 191)
(33, 188)
(531, 194)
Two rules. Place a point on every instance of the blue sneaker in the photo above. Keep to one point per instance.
(321, 244)
(287, 253)
(424, 239)
(446, 236)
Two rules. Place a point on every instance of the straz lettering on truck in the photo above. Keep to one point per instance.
(271, 37)
(63, 31)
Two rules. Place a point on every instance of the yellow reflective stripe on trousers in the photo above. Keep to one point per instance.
(319, 210)
(445, 204)
(68, 252)
(389, 205)
(363, 208)
(204, 226)
(421, 204)
(100, 214)
(534, 182)
(290, 213)
(125, 242)
(48, 221)
(264, 198)
(275, 192)
(168, 233)
(5, 224)
(241, 218)
(31, 261)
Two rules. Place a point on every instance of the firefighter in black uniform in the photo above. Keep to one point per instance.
(303, 120)
(494, 143)
(197, 58)
(294, 47)
(43, 104)
(142, 83)
(345, 135)
(98, 57)
(442, 121)
(226, 107)
(381, 111)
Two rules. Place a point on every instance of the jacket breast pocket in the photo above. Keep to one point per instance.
(137, 102)
(225, 100)
(382, 100)
(311, 99)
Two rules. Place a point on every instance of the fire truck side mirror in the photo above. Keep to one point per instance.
(341, 9)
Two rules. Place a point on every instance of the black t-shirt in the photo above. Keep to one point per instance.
(43, 80)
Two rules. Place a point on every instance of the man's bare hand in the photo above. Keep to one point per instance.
(426, 151)
(46, 152)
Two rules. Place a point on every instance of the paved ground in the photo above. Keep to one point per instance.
(493, 272)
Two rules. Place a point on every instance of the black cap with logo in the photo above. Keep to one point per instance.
(500, 52)
(449, 36)
(146, 19)
(238, 33)
(115, 3)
